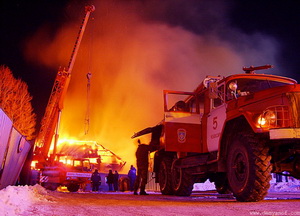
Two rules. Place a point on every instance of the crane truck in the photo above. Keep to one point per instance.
(234, 131)
(53, 172)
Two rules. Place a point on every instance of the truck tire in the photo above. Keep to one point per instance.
(73, 187)
(296, 168)
(183, 182)
(124, 183)
(164, 177)
(248, 168)
(221, 184)
(50, 186)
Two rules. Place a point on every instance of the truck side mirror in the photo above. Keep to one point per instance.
(213, 90)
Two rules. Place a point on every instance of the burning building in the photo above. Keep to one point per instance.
(100, 157)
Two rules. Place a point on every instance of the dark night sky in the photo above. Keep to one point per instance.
(20, 19)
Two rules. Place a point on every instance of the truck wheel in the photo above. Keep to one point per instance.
(221, 184)
(50, 186)
(73, 187)
(124, 183)
(182, 181)
(296, 168)
(248, 168)
(164, 176)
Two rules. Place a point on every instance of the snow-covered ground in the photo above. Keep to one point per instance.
(292, 186)
(16, 200)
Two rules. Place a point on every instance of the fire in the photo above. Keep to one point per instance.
(131, 62)
(95, 155)
(67, 150)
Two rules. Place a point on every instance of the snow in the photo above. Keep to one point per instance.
(16, 200)
(206, 186)
(285, 187)
(292, 186)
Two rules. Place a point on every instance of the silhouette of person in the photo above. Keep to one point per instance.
(142, 154)
(132, 176)
(96, 180)
(116, 181)
(110, 180)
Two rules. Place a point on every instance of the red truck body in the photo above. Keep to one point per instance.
(234, 131)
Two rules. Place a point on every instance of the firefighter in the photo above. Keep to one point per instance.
(96, 180)
(142, 154)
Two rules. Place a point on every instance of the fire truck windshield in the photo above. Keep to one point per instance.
(248, 86)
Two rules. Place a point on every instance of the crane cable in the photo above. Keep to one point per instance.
(89, 76)
(88, 99)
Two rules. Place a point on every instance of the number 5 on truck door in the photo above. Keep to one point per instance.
(215, 123)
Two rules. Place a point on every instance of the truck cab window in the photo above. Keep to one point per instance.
(201, 103)
(219, 101)
(192, 106)
(181, 106)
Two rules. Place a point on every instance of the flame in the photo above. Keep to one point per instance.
(131, 62)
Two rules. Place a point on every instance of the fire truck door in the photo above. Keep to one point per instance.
(181, 122)
(182, 132)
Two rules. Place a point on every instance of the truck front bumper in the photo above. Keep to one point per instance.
(284, 133)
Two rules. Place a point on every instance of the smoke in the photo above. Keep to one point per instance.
(134, 50)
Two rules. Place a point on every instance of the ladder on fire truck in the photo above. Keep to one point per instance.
(51, 119)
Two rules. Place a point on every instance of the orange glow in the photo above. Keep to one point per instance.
(131, 62)
(33, 164)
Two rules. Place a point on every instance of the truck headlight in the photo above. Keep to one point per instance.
(274, 117)
(267, 119)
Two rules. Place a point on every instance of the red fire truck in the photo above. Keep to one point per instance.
(234, 131)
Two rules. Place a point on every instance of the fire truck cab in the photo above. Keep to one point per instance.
(74, 173)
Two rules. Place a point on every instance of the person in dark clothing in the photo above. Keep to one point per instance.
(142, 154)
(110, 180)
(132, 176)
(278, 177)
(116, 181)
(96, 180)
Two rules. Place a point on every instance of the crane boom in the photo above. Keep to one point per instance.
(51, 118)
(88, 10)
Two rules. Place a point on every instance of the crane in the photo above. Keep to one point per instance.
(51, 119)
